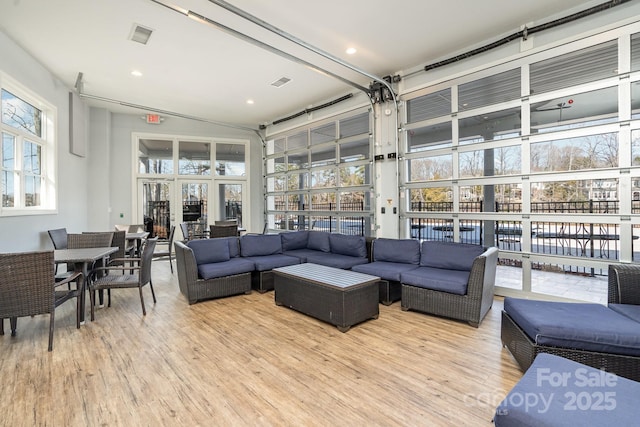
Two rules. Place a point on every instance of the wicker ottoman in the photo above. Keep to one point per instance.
(340, 297)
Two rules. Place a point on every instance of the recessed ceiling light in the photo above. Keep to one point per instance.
(281, 82)
(140, 34)
(351, 50)
(250, 101)
(136, 73)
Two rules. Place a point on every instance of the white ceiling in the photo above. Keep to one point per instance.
(194, 69)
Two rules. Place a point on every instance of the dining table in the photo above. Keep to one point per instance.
(82, 258)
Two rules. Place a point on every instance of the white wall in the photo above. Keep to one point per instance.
(114, 131)
(26, 233)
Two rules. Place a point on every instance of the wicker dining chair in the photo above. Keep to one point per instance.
(28, 288)
(140, 277)
(169, 251)
(58, 237)
(223, 230)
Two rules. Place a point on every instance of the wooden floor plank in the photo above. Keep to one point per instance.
(245, 361)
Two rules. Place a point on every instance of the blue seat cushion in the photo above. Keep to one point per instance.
(208, 251)
(449, 255)
(405, 251)
(269, 262)
(586, 397)
(335, 260)
(226, 268)
(294, 240)
(384, 270)
(437, 279)
(583, 326)
(631, 311)
(302, 254)
(319, 241)
(344, 244)
(260, 245)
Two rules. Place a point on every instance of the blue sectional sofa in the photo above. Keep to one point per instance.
(434, 273)
(247, 261)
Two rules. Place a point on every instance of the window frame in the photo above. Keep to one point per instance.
(46, 142)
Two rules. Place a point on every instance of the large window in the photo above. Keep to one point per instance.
(319, 177)
(541, 160)
(27, 162)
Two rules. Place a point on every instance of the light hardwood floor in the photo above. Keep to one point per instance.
(245, 361)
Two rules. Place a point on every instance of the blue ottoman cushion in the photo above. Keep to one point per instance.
(584, 326)
(559, 392)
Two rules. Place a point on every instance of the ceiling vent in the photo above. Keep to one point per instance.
(281, 82)
(140, 34)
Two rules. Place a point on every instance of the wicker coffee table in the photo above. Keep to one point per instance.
(340, 297)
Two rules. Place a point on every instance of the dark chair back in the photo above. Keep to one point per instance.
(90, 240)
(223, 230)
(185, 230)
(145, 262)
(58, 238)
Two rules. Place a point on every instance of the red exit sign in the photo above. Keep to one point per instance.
(153, 119)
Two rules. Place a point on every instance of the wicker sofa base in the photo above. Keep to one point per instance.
(524, 350)
(459, 307)
(262, 281)
(340, 307)
(219, 287)
(390, 291)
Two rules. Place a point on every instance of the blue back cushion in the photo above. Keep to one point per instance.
(294, 240)
(343, 244)
(209, 250)
(260, 245)
(319, 241)
(448, 255)
(406, 251)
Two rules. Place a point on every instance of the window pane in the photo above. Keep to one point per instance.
(300, 140)
(355, 125)
(574, 68)
(431, 168)
(356, 150)
(324, 133)
(635, 100)
(8, 189)
(194, 203)
(8, 151)
(635, 52)
(354, 175)
(429, 137)
(575, 111)
(587, 152)
(490, 126)
(276, 183)
(276, 165)
(194, 158)
(490, 90)
(323, 178)
(297, 202)
(31, 158)
(429, 106)
(432, 199)
(635, 147)
(585, 196)
(230, 160)
(298, 181)
(323, 156)
(323, 202)
(32, 190)
(355, 201)
(20, 114)
(298, 161)
(490, 162)
(155, 156)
